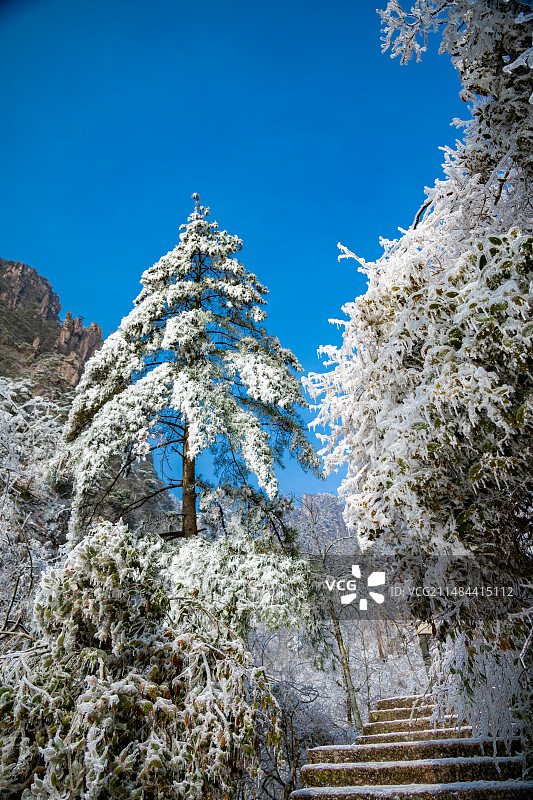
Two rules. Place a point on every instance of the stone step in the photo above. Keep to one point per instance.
(471, 790)
(461, 732)
(409, 751)
(397, 758)
(387, 714)
(392, 726)
(402, 702)
(434, 770)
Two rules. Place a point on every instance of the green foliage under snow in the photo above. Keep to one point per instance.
(126, 692)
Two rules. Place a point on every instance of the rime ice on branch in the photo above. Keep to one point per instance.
(429, 398)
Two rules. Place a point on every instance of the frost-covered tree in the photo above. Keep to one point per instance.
(429, 399)
(190, 369)
(131, 687)
(30, 511)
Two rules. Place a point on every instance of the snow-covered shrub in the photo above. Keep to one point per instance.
(244, 582)
(303, 724)
(122, 694)
(486, 680)
(486, 684)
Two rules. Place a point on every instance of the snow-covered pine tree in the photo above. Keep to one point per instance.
(190, 369)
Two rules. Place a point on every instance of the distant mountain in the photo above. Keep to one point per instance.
(319, 520)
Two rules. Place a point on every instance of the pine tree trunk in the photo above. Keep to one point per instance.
(188, 490)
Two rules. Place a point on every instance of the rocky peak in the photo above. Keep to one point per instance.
(33, 341)
(22, 287)
(78, 344)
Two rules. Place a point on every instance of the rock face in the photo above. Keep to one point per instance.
(33, 342)
(78, 344)
(35, 345)
(326, 508)
(22, 287)
(74, 338)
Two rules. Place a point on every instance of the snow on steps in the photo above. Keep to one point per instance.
(411, 750)
(389, 714)
(478, 790)
(400, 757)
(429, 770)
(463, 731)
(405, 723)
(401, 702)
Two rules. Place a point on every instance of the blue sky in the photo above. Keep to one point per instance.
(284, 116)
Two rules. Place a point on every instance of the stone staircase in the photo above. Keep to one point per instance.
(401, 756)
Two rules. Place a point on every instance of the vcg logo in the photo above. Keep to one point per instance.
(342, 585)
